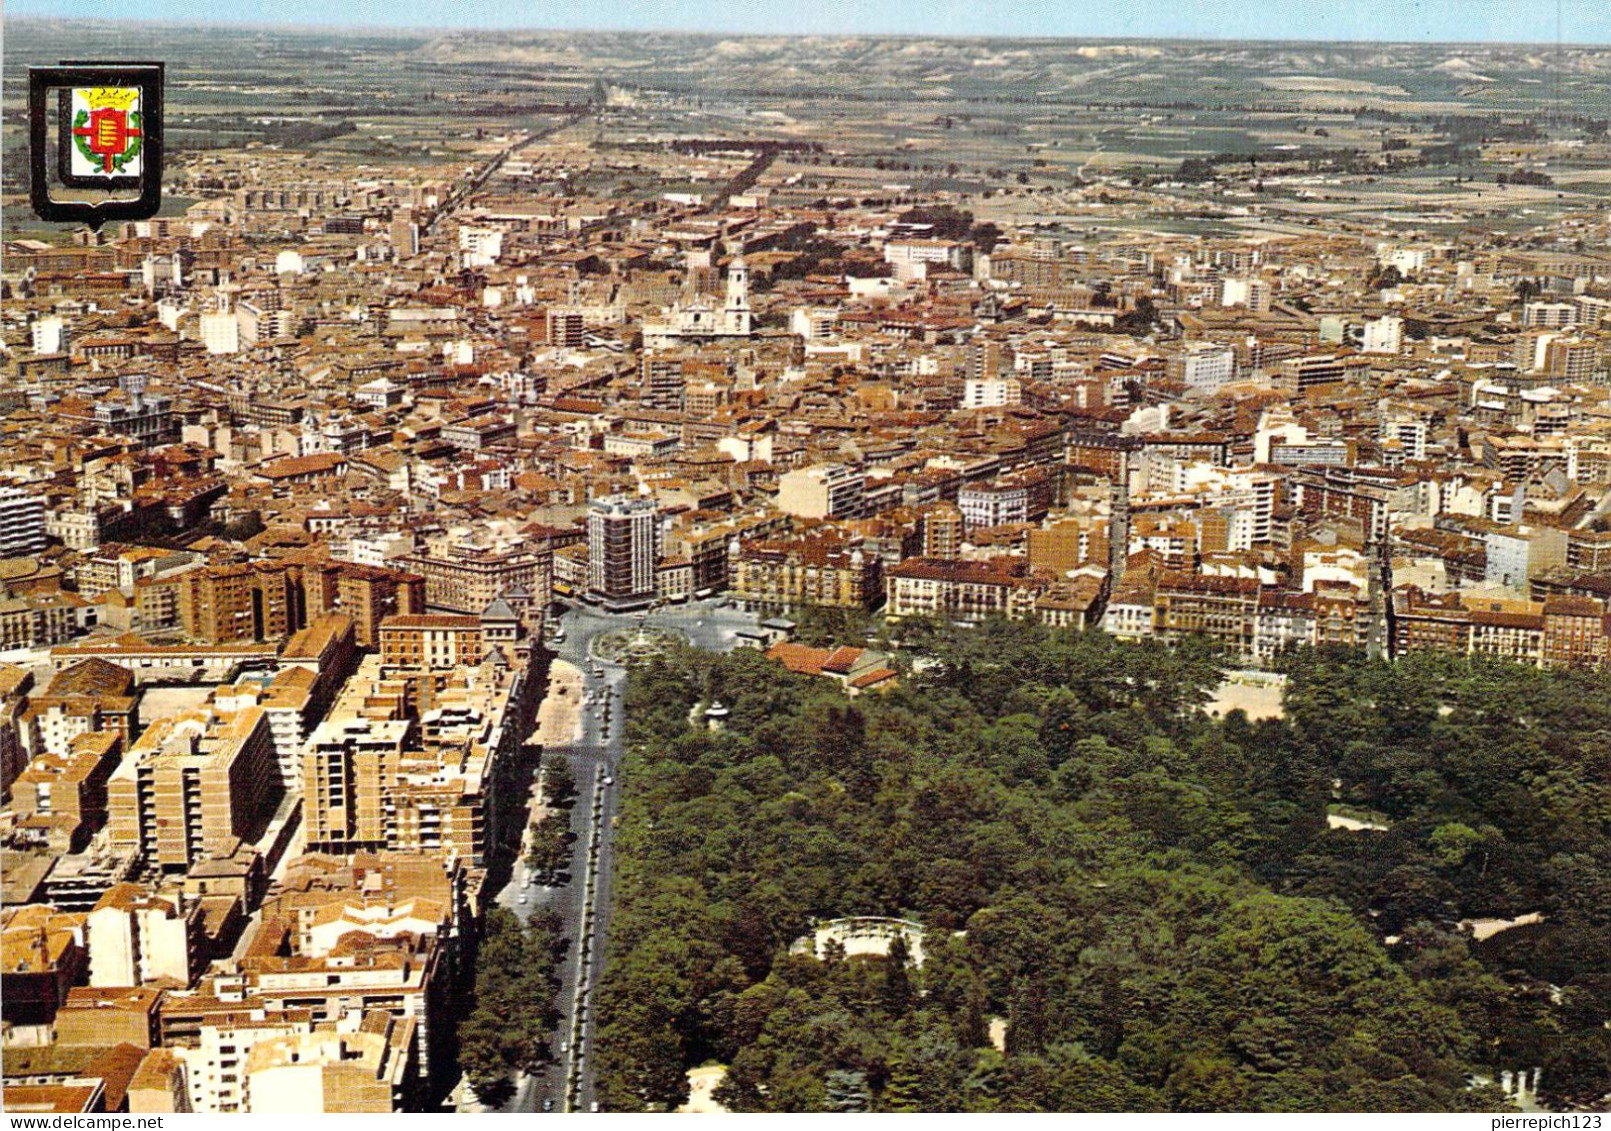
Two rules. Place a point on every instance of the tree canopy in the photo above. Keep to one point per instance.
(1149, 902)
(513, 1016)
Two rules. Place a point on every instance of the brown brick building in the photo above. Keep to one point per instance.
(822, 569)
(1559, 632)
(1222, 609)
(431, 641)
(249, 601)
(194, 785)
(271, 600)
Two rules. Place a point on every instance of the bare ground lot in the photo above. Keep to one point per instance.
(1258, 694)
(559, 718)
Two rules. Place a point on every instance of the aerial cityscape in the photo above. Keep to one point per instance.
(575, 571)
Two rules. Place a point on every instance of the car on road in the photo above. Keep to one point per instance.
(524, 899)
(548, 1104)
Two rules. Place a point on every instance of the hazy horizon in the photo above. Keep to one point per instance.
(1576, 23)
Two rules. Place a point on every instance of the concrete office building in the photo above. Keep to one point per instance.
(622, 544)
(829, 490)
(194, 785)
(22, 522)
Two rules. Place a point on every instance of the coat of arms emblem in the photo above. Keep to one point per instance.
(106, 119)
(106, 131)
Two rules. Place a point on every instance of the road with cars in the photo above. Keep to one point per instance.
(584, 901)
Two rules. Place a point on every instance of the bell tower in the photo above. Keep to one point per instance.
(736, 314)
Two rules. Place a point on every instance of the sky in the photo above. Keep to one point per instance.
(1527, 21)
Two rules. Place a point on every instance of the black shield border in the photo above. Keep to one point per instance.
(148, 77)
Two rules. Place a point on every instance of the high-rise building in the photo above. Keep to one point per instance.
(566, 327)
(942, 531)
(270, 600)
(1552, 315)
(409, 758)
(991, 392)
(249, 601)
(405, 234)
(220, 332)
(194, 785)
(22, 522)
(1575, 359)
(480, 247)
(367, 594)
(137, 937)
(984, 359)
(1383, 335)
(345, 767)
(663, 382)
(622, 533)
(50, 335)
(1408, 432)
(1208, 366)
(1251, 292)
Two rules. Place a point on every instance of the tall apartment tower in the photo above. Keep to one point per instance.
(22, 522)
(194, 785)
(663, 382)
(566, 327)
(405, 234)
(621, 536)
(942, 531)
(50, 334)
(985, 359)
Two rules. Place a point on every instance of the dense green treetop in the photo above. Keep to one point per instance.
(1150, 899)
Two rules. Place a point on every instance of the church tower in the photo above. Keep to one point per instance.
(736, 314)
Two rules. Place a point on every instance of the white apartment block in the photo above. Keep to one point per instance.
(1208, 367)
(993, 505)
(622, 537)
(22, 522)
(1550, 315)
(221, 332)
(829, 490)
(1384, 335)
(50, 335)
(991, 392)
